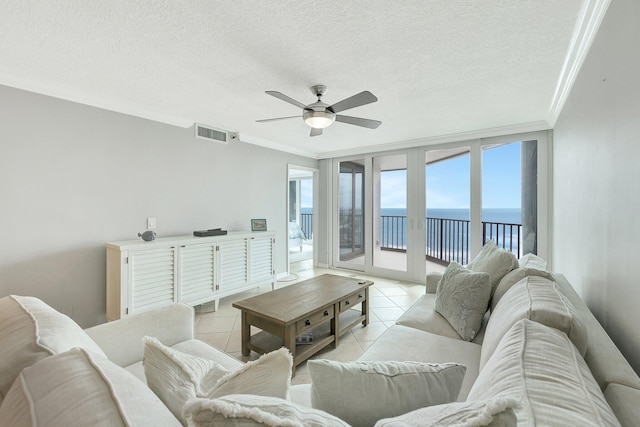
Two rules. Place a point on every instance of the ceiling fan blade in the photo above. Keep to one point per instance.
(366, 123)
(356, 100)
(315, 132)
(277, 118)
(285, 98)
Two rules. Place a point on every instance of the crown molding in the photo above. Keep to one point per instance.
(589, 20)
(522, 128)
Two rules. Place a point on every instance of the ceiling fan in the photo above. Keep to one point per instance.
(319, 115)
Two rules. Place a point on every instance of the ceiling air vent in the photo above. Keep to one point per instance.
(212, 134)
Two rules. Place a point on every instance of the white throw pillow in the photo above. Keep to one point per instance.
(78, 387)
(495, 261)
(492, 413)
(532, 261)
(362, 393)
(537, 299)
(250, 410)
(32, 331)
(542, 368)
(462, 297)
(177, 377)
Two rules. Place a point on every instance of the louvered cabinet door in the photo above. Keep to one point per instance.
(152, 279)
(261, 260)
(197, 274)
(233, 265)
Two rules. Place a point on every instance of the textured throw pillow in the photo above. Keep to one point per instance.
(250, 410)
(78, 387)
(462, 297)
(32, 331)
(537, 299)
(540, 367)
(495, 261)
(177, 377)
(361, 393)
(492, 413)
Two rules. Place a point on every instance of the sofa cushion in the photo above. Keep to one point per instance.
(409, 344)
(540, 366)
(423, 315)
(495, 261)
(363, 392)
(177, 377)
(494, 412)
(537, 299)
(605, 360)
(462, 298)
(32, 331)
(513, 277)
(80, 387)
(250, 410)
(624, 402)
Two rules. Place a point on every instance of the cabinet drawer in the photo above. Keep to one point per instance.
(352, 300)
(314, 320)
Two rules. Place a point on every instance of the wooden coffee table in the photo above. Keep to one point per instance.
(321, 305)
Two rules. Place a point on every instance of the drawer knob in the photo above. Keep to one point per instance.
(359, 296)
(326, 313)
(347, 302)
(307, 322)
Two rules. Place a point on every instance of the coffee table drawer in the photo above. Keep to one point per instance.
(351, 301)
(314, 319)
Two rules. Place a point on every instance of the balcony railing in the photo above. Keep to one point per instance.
(448, 239)
(307, 225)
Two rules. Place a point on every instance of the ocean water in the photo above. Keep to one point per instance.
(447, 237)
(509, 216)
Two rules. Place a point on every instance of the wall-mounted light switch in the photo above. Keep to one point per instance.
(151, 223)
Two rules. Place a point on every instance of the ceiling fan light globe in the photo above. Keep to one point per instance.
(319, 119)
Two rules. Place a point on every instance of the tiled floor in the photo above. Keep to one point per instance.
(389, 299)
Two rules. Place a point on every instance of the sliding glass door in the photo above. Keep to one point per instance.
(404, 213)
(351, 211)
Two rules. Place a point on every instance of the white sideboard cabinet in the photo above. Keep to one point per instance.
(194, 270)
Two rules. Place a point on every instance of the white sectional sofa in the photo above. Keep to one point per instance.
(539, 349)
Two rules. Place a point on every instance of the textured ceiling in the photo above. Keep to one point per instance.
(438, 67)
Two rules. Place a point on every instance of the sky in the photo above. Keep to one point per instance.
(447, 182)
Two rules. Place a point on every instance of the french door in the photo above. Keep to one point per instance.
(389, 209)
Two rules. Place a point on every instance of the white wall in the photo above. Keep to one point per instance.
(73, 177)
(596, 221)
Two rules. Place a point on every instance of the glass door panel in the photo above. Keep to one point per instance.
(509, 196)
(448, 194)
(351, 211)
(390, 216)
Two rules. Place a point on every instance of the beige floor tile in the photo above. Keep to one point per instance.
(395, 291)
(212, 324)
(375, 292)
(404, 301)
(234, 345)
(365, 345)
(381, 301)
(345, 352)
(388, 313)
(218, 340)
(371, 332)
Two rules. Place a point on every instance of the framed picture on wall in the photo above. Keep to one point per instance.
(258, 225)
